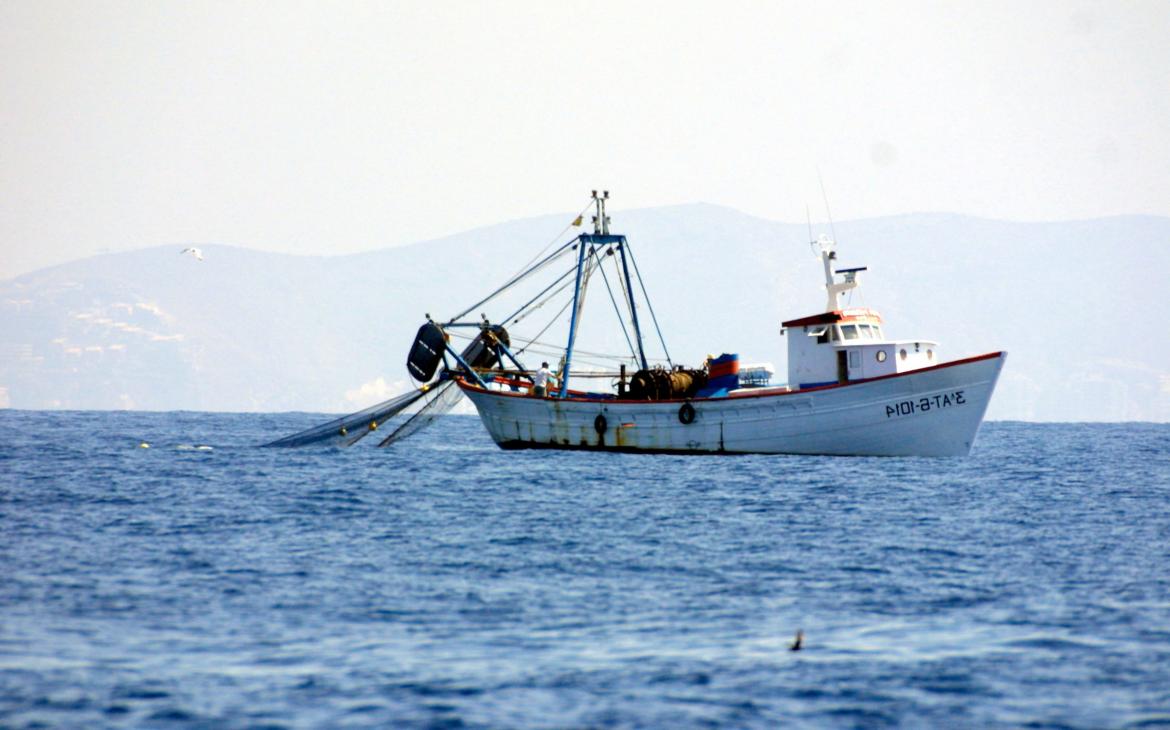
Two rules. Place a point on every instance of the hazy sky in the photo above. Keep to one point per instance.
(336, 127)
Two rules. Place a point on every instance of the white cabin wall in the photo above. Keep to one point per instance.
(809, 362)
(869, 366)
(915, 354)
(919, 354)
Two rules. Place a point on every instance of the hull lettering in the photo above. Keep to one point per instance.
(926, 405)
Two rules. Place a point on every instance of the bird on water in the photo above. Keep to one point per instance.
(798, 641)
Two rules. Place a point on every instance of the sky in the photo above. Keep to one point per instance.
(331, 128)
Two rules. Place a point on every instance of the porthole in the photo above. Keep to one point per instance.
(881, 355)
(930, 354)
(902, 353)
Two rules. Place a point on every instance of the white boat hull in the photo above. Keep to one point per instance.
(935, 411)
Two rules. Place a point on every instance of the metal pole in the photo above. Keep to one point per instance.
(573, 320)
(468, 369)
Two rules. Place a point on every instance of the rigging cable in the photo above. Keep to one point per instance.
(524, 270)
(534, 345)
(516, 317)
(512, 282)
(646, 296)
(545, 329)
(590, 267)
(616, 310)
(557, 237)
(568, 304)
(626, 298)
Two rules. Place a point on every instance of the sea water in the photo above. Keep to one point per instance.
(206, 582)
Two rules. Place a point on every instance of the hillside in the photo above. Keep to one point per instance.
(250, 331)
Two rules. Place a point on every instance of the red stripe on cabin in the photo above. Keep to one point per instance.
(719, 370)
(849, 315)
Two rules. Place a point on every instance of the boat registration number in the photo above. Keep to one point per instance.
(923, 405)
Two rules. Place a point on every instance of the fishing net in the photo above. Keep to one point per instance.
(442, 399)
(348, 430)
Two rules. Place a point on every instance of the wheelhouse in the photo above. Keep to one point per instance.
(844, 345)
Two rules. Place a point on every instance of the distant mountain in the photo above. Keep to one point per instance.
(250, 331)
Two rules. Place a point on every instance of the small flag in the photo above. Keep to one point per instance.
(577, 222)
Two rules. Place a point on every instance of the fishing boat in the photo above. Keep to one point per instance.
(850, 390)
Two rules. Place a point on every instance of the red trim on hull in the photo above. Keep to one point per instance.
(469, 386)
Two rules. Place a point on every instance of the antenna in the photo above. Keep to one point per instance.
(826, 198)
(600, 220)
(811, 241)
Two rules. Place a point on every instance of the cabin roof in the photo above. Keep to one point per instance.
(840, 315)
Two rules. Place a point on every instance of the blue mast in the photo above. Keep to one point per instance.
(582, 241)
(599, 237)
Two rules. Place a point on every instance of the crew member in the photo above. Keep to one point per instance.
(540, 380)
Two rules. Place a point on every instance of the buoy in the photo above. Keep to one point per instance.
(143, 445)
(373, 425)
(343, 432)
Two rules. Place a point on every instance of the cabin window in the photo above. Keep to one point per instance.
(850, 331)
(821, 333)
(877, 332)
(902, 353)
(880, 355)
(930, 354)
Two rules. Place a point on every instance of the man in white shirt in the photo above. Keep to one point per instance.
(540, 380)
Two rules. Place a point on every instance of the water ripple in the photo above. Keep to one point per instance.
(445, 583)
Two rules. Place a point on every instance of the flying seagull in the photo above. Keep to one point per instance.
(193, 251)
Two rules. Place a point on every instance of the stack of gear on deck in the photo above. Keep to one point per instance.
(662, 384)
(722, 376)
